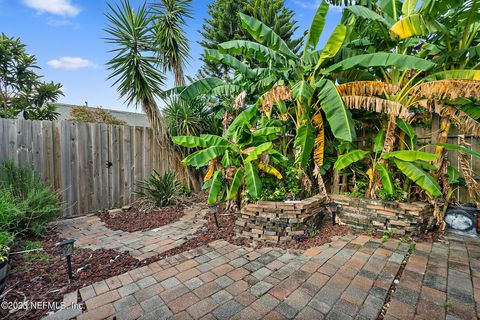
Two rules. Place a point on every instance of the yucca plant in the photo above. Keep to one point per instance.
(160, 190)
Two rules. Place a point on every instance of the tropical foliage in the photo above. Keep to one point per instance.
(159, 190)
(93, 115)
(21, 90)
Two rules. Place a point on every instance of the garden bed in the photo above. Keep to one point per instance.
(280, 222)
(366, 214)
(41, 276)
(134, 219)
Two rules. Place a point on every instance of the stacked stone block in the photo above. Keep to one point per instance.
(280, 221)
(367, 214)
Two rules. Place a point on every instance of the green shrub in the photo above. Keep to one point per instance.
(5, 240)
(160, 190)
(26, 205)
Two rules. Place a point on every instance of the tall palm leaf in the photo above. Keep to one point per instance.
(170, 35)
(135, 69)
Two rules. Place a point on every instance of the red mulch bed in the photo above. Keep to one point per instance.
(38, 281)
(135, 220)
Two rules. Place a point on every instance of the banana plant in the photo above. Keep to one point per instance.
(291, 88)
(236, 160)
(411, 163)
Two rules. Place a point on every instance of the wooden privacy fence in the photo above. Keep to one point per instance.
(92, 166)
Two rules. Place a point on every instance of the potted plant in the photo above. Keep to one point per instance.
(5, 242)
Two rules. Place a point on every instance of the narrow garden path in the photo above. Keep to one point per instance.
(440, 280)
(91, 233)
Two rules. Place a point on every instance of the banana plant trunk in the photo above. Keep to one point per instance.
(467, 172)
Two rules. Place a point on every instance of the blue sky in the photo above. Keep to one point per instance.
(66, 37)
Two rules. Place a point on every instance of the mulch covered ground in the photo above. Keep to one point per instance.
(45, 279)
(135, 219)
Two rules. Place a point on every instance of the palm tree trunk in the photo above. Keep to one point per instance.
(163, 138)
(465, 168)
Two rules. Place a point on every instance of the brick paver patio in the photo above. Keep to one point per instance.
(346, 279)
(90, 232)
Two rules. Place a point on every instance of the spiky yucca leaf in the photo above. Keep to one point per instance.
(319, 152)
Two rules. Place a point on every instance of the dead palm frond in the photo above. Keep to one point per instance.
(450, 89)
(318, 154)
(379, 105)
(367, 88)
(276, 94)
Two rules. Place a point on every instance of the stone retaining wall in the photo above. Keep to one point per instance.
(367, 214)
(280, 221)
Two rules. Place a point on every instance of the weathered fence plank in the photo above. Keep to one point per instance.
(73, 158)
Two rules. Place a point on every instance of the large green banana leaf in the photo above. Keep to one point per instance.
(339, 118)
(304, 143)
(266, 131)
(333, 45)
(409, 131)
(258, 151)
(348, 158)
(410, 155)
(466, 74)
(379, 141)
(244, 117)
(230, 61)
(236, 183)
(383, 60)
(454, 147)
(250, 49)
(200, 87)
(202, 157)
(204, 141)
(302, 90)
(316, 28)
(215, 187)
(385, 177)
(415, 25)
(420, 177)
(368, 14)
(252, 181)
(408, 7)
(265, 35)
(226, 90)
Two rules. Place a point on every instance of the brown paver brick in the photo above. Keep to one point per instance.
(207, 277)
(429, 310)
(238, 273)
(401, 310)
(187, 265)
(102, 299)
(245, 298)
(201, 308)
(237, 287)
(99, 313)
(87, 293)
(222, 269)
(280, 292)
(165, 274)
(113, 283)
(187, 275)
(183, 302)
(207, 290)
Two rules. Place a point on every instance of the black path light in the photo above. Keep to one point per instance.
(67, 251)
(214, 209)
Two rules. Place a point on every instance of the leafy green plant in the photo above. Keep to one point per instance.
(34, 252)
(5, 242)
(93, 115)
(159, 190)
(26, 204)
(236, 158)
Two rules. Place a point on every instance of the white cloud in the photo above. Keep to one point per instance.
(71, 63)
(314, 5)
(56, 7)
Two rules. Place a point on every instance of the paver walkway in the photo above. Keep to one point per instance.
(441, 280)
(90, 232)
(345, 279)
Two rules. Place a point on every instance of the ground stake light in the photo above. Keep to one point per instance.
(214, 209)
(67, 251)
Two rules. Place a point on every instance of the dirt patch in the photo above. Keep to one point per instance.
(41, 276)
(135, 219)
